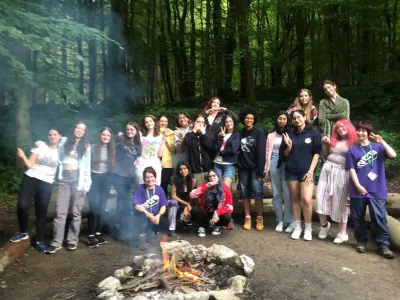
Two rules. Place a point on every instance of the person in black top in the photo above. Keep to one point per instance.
(301, 148)
(199, 144)
(251, 161)
(179, 204)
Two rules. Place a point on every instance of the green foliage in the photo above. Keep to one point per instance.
(10, 182)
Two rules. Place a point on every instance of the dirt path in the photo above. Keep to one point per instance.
(285, 269)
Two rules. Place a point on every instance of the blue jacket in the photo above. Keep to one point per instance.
(229, 154)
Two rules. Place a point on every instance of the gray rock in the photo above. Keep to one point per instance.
(237, 284)
(197, 253)
(110, 295)
(181, 247)
(192, 296)
(139, 297)
(109, 284)
(246, 263)
(220, 253)
(223, 295)
(122, 273)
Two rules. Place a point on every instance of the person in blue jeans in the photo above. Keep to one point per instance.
(251, 162)
(275, 171)
(366, 164)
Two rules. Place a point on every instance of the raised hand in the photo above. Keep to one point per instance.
(376, 138)
(210, 111)
(287, 140)
(20, 153)
(165, 133)
(223, 132)
(221, 109)
(120, 133)
(326, 139)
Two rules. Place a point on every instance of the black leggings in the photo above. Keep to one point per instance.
(123, 186)
(97, 197)
(40, 191)
(203, 218)
(166, 174)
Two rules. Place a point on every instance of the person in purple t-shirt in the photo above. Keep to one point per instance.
(366, 164)
(150, 207)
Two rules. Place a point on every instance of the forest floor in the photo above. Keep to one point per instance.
(285, 269)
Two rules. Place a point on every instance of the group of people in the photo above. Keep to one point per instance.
(199, 161)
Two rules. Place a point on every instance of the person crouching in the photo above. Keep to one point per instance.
(215, 204)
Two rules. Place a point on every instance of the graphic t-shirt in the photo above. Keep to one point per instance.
(364, 159)
(218, 159)
(150, 199)
(150, 146)
(46, 164)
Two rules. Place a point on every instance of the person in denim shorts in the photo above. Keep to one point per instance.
(301, 147)
(251, 161)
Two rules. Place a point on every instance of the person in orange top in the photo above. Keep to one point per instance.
(215, 204)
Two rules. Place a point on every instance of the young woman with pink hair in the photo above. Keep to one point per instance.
(333, 185)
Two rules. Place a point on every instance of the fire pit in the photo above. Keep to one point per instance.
(184, 272)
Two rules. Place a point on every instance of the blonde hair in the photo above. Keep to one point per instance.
(308, 108)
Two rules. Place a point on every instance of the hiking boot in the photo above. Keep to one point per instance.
(386, 253)
(259, 223)
(279, 227)
(71, 247)
(40, 246)
(217, 230)
(247, 223)
(341, 238)
(361, 247)
(201, 232)
(20, 236)
(52, 249)
(92, 242)
(100, 239)
(323, 231)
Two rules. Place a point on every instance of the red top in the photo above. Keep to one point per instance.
(225, 207)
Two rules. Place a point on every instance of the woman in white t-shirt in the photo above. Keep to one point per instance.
(153, 144)
(36, 184)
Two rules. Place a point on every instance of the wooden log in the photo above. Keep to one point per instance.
(394, 227)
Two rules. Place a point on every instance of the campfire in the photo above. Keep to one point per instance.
(184, 272)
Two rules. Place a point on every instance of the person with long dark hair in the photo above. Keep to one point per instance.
(103, 160)
(128, 150)
(179, 204)
(153, 144)
(215, 114)
(275, 171)
(74, 182)
(150, 208)
(199, 144)
(36, 185)
(366, 164)
(251, 162)
(168, 154)
(302, 148)
(215, 204)
(332, 108)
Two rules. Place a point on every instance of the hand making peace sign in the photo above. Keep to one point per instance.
(223, 132)
(287, 140)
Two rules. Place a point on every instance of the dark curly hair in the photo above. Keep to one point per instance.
(248, 110)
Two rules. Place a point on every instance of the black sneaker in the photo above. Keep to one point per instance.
(92, 242)
(52, 249)
(100, 239)
(217, 230)
(361, 247)
(386, 253)
(71, 247)
(231, 226)
(171, 233)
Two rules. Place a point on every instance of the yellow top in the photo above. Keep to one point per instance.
(169, 149)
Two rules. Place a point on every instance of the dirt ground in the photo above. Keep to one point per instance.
(285, 269)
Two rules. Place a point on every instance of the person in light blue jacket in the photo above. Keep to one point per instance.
(74, 183)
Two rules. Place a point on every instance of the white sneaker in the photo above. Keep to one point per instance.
(217, 230)
(201, 232)
(341, 238)
(307, 235)
(290, 228)
(323, 231)
(296, 233)
(279, 227)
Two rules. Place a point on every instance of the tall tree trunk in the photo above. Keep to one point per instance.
(314, 51)
(103, 52)
(92, 50)
(328, 40)
(230, 43)
(192, 55)
(242, 10)
(300, 45)
(64, 69)
(207, 88)
(35, 55)
(22, 120)
(218, 47)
